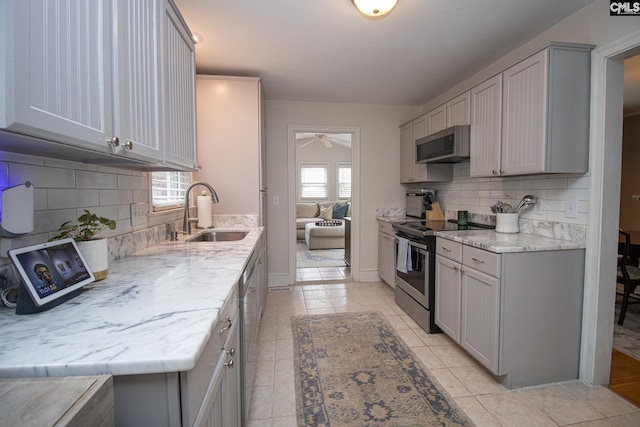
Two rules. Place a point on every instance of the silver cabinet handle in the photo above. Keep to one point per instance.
(444, 248)
(501, 171)
(477, 260)
(494, 172)
(128, 145)
(114, 142)
(229, 364)
(455, 268)
(226, 328)
(231, 352)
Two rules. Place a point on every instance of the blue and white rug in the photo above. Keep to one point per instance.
(352, 370)
(306, 258)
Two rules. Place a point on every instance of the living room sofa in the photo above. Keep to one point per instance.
(318, 237)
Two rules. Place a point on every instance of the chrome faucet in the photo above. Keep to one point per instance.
(187, 220)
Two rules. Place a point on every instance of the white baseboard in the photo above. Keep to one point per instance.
(369, 276)
(279, 280)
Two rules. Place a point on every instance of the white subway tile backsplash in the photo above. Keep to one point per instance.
(21, 158)
(91, 179)
(124, 212)
(40, 199)
(71, 198)
(115, 197)
(132, 182)
(41, 176)
(140, 196)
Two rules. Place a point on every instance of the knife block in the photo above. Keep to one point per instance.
(435, 214)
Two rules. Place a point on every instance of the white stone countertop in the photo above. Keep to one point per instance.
(498, 242)
(153, 313)
(505, 242)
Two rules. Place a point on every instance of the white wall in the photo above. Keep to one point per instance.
(379, 171)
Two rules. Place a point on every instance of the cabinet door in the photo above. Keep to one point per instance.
(386, 258)
(137, 100)
(420, 129)
(407, 154)
(447, 304)
(437, 119)
(231, 382)
(179, 92)
(458, 110)
(524, 115)
(61, 65)
(480, 317)
(486, 127)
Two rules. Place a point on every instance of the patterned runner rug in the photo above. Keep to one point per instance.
(352, 370)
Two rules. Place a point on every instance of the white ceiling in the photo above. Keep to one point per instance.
(324, 50)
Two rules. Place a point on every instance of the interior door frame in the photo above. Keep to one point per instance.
(355, 192)
(607, 70)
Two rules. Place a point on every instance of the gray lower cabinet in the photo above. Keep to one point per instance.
(206, 395)
(518, 314)
(386, 253)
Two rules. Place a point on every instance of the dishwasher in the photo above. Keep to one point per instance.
(248, 332)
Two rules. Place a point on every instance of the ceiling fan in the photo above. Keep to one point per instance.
(328, 141)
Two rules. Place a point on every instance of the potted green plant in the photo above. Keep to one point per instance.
(93, 249)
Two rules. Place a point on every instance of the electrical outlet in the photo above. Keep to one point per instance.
(138, 214)
(571, 210)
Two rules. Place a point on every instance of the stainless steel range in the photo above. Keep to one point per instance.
(415, 278)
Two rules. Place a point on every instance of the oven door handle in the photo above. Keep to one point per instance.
(424, 248)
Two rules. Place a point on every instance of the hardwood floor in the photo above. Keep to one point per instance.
(625, 376)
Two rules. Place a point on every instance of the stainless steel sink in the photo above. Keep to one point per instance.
(218, 236)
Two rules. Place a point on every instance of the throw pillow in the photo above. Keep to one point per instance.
(340, 210)
(306, 210)
(326, 212)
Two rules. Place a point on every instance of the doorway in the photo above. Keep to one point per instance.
(625, 363)
(602, 237)
(323, 185)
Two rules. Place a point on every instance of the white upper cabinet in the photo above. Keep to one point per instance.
(136, 97)
(436, 120)
(544, 123)
(56, 73)
(486, 127)
(179, 90)
(458, 110)
(89, 76)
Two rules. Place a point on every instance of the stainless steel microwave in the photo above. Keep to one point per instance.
(448, 146)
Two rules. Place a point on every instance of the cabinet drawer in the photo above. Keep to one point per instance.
(385, 227)
(449, 249)
(481, 260)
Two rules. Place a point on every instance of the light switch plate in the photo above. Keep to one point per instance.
(138, 214)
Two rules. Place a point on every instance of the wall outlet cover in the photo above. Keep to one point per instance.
(138, 214)
(571, 207)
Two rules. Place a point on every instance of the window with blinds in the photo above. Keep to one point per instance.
(314, 183)
(168, 189)
(344, 180)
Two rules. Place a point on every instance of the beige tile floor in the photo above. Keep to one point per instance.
(484, 400)
(320, 274)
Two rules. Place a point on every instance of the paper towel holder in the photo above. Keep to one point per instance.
(16, 215)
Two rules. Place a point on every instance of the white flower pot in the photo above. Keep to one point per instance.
(96, 254)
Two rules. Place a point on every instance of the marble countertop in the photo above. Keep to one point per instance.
(499, 242)
(153, 313)
(504, 242)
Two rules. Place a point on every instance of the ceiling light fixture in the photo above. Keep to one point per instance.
(374, 8)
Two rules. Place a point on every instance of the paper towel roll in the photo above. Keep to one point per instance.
(205, 207)
(17, 210)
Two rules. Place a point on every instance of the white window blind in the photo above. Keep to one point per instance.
(168, 189)
(314, 181)
(344, 181)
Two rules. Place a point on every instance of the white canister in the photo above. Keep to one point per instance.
(507, 223)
